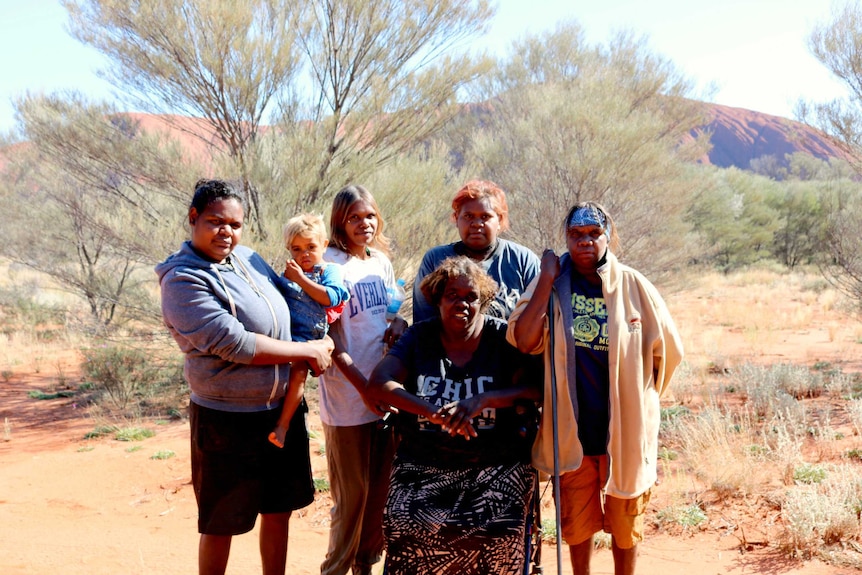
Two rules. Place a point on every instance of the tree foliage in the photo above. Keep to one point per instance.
(88, 201)
(222, 60)
(837, 43)
(572, 122)
(350, 84)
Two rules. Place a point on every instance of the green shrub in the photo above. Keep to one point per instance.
(101, 431)
(41, 395)
(853, 454)
(133, 434)
(163, 454)
(549, 530)
(119, 373)
(807, 473)
(667, 454)
(687, 516)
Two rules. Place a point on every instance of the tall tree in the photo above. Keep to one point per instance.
(89, 200)
(384, 75)
(224, 60)
(574, 122)
(351, 84)
(837, 43)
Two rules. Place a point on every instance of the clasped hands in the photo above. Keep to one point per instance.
(456, 417)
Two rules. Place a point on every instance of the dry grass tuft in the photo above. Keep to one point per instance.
(761, 417)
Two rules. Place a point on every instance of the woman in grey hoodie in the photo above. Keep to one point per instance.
(224, 306)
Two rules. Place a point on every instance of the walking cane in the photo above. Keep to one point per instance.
(556, 435)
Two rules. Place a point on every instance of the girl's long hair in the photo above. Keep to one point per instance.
(341, 203)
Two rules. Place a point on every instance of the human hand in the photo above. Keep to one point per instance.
(320, 354)
(457, 416)
(550, 265)
(378, 408)
(394, 331)
(292, 271)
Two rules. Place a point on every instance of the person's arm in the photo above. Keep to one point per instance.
(384, 387)
(395, 330)
(316, 291)
(318, 352)
(458, 415)
(344, 362)
(397, 326)
(667, 349)
(530, 324)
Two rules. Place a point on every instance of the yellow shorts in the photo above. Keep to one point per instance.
(583, 513)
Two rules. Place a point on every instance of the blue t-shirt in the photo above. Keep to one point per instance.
(590, 333)
(504, 434)
(512, 266)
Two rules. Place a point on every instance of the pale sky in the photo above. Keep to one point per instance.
(753, 51)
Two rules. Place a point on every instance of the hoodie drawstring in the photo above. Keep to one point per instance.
(243, 273)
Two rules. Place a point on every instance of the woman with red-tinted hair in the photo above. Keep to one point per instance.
(481, 214)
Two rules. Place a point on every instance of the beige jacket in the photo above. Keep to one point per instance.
(644, 350)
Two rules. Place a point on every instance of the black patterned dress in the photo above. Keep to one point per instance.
(458, 506)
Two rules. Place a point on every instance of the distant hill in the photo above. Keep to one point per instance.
(737, 135)
(740, 135)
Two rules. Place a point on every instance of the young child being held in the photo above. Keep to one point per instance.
(316, 297)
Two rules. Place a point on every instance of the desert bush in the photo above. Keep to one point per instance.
(672, 417)
(819, 515)
(840, 384)
(602, 540)
(163, 454)
(687, 380)
(854, 411)
(686, 516)
(549, 530)
(716, 445)
(808, 473)
(132, 380)
(784, 436)
(771, 390)
(21, 310)
(133, 434)
(101, 431)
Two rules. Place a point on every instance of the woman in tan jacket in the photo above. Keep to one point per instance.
(615, 350)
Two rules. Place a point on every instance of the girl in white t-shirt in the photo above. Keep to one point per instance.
(359, 455)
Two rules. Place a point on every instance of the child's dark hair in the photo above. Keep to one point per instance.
(209, 191)
(341, 203)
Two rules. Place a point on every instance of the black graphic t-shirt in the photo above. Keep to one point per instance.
(590, 332)
(504, 435)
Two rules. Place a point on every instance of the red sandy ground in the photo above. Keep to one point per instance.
(75, 506)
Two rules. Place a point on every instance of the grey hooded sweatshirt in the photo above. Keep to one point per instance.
(214, 312)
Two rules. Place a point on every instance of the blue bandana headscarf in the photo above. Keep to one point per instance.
(587, 216)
